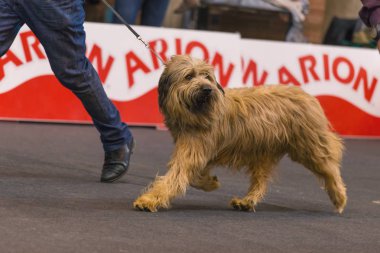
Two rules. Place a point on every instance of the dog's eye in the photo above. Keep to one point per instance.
(208, 77)
(189, 77)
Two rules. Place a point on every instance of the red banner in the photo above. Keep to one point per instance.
(345, 80)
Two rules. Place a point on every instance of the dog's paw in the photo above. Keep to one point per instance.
(146, 203)
(242, 205)
(207, 185)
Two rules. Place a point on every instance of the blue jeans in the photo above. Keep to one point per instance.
(152, 11)
(58, 24)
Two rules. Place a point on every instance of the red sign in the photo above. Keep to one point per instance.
(344, 80)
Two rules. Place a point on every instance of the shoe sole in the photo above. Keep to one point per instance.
(116, 178)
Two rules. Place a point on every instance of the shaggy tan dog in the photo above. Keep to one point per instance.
(247, 128)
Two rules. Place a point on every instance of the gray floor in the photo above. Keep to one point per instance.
(51, 201)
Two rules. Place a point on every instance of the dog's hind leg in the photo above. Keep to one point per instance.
(260, 175)
(324, 159)
(204, 181)
(328, 171)
(334, 185)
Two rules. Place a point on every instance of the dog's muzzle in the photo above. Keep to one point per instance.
(202, 99)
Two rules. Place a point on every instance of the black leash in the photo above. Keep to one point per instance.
(132, 30)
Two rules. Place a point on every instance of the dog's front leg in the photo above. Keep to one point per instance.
(185, 163)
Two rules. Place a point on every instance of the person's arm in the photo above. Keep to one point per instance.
(370, 14)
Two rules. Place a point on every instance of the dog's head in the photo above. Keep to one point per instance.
(188, 90)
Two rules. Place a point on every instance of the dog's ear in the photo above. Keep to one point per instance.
(220, 87)
(163, 88)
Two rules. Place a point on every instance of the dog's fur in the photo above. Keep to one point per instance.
(246, 128)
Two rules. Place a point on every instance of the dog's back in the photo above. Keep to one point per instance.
(271, 121)
(276, 115)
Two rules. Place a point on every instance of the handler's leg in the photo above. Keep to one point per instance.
(128, 9)
(58, 24)
(10, 24)
(153, 12)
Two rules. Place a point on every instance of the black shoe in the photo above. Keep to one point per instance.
(116, 163)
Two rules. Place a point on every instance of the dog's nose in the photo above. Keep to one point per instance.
(206, 90)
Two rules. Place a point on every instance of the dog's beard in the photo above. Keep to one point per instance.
(201, 101)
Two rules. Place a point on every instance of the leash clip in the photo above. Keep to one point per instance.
(144, 42)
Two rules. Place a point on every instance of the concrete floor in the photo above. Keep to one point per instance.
(51, 201)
